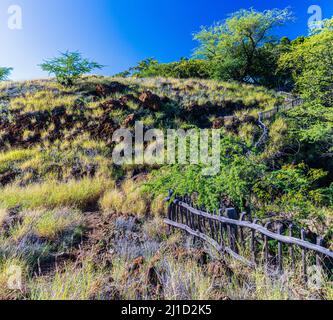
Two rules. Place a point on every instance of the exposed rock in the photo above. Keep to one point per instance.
(218, 123)
(129, 120)
(137, 263)
(111, 105)
(11, 220)
(127, 98)
(104, 90)
(8, 177)
(150, 101)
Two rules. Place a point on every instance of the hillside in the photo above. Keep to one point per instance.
(82, 227)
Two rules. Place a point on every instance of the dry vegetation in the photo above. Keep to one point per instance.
(82, 228)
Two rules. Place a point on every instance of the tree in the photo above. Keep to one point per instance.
(69, 67)
(144, 68)
(311, 62)
(182, 69)
(4, 73)
(235, 45)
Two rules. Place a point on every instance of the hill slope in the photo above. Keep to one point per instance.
(64, 203)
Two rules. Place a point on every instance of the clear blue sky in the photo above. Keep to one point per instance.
(118, 33)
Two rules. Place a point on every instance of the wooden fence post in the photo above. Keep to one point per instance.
(291, 250)
(221, 229)
(280, 250)
(304, 262)
(232, 214)
(253, 243)
(320, 242)
(266, 248)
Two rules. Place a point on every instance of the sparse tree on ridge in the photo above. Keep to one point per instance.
(69, 66)
(4, 73)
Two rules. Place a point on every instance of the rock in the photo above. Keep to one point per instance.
(129, 120)
(111, 105)
(127, 98)
(218, 123)
(137, 263)
(152, 277)
(8, 177)
(12, 219)
(58, 112)
(150, 101)
(104, 90)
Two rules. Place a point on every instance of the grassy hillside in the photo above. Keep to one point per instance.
(83, 228)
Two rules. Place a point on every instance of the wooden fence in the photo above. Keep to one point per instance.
(291, 103)
(274, 244)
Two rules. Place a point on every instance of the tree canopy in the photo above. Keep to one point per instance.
(237, 45)
(311, 61)
(69, 66)
(4, 73)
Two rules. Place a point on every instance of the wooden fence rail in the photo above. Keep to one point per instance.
(268, 242)
(266, 115)
(292, 103)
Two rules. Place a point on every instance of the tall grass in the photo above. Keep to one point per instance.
(73, 283)
(78, 194)
(128, 199)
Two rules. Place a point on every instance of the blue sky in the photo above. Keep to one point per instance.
(118, 33)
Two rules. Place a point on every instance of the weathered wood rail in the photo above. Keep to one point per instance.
(270, 243)
(291, 102)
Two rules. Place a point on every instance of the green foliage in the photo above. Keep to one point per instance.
(233, 184)
(4, 73)
(69, 67)
(310, 60)
(183, 69)
(238, 45)
(289, 180)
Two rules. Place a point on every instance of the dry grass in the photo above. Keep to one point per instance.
(112, 201)
(128, 199)
(48, 225)
(73, 283)
(3, 216)
(79, 194)
(42, 100)
(185, 280)
(12, 278)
